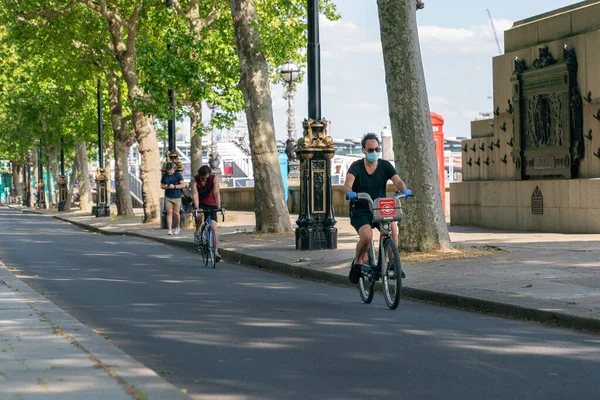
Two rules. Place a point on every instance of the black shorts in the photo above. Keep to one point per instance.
(360, 217)
(213, 213)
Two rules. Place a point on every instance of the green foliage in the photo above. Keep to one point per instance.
(53, 52)
(48, 92)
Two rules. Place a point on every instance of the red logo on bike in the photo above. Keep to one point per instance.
(387, 207)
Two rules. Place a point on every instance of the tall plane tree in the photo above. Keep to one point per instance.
(425, 224)
(270, 208)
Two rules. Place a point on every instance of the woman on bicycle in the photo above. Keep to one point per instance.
(206, 195)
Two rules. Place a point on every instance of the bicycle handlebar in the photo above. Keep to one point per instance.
(366, 197)
(221, 210)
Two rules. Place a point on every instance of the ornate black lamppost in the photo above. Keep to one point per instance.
(171, 154)
(316, 222)
(289, 75)
(102, 208)
(62, 179)
(41, 186)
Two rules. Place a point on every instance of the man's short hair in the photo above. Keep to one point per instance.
(369, 136)
(204, 170)
(169, 165)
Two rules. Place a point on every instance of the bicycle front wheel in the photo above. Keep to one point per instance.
(204, 235)
(209, 250)
(392, 274)
(366, 286)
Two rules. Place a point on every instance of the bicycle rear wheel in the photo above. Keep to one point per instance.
(366, 286)
(391, 274)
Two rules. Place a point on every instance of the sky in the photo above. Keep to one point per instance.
(457, 46)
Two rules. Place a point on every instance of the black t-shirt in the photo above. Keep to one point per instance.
(374, 184)
(172, 179)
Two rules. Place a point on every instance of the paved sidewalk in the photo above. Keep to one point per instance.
(549, 278)
(47, 354)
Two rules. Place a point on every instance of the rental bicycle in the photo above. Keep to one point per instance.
(387, 268)
(205, 239)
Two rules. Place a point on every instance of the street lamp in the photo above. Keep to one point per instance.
(316, 222)
(102, 208)
(171, 154)
(213, 158)
(289, 75)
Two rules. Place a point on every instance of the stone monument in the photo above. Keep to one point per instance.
(532, 166)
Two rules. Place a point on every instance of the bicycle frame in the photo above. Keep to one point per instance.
(389, 271)
(203, 238)
(208, 218)
(385, 233)
(385, 229)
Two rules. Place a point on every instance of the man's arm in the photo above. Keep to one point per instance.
(217, 191)
(180, 184)
(348, 183)
(195, 198)
(398, 183)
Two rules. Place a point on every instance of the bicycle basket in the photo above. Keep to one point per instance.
(387, 209)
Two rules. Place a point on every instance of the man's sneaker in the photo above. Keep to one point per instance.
(403, 274)
(217, 257)
(170, 233)
(355, 272)
(177, 231)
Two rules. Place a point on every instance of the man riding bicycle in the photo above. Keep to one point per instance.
(369, 175)
(207, 196)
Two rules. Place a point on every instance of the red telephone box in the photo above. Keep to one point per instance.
(437, 122)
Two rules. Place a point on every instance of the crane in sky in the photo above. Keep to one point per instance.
(494, 30)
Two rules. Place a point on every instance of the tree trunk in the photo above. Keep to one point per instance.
(69, 200)
(144, 130)
(424, 221)
(196, 137)
(17, 174)
(34, 175)
(150, 166)
(54, 171)
(269, 199)
(83, 177)
(123, 195)
(123, 141)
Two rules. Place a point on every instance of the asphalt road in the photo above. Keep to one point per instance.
(239, 333)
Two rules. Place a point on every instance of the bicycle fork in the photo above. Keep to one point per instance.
(372, 270)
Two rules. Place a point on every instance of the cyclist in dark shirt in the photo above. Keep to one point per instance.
(369, 175)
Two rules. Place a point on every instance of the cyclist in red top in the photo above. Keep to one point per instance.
(207, 196)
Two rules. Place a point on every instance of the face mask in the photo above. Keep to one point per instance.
(372, 157)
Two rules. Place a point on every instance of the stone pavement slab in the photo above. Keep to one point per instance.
(545, 277)
(47, 354)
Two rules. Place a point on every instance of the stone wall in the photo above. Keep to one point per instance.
(568, 21)
(491, 194)
(578, 27)
(569, 206)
